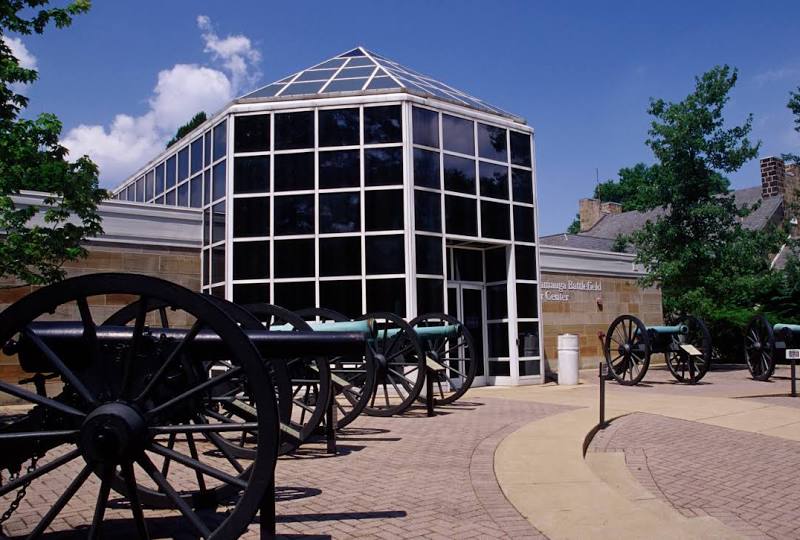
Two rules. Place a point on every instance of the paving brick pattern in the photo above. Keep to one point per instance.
(750, 482)
(406, 477)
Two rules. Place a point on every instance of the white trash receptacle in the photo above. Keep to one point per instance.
(568, 359)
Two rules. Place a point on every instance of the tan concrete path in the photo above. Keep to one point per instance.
(542, 471)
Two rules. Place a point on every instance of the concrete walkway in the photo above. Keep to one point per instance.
(543, 473)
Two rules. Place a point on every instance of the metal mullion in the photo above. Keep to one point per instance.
(271, 185)
(388, 187)
(300, 279)
(254, 195)
(361, 209)
(250, 239)
(250, 281)
(384, 276)
(333, 76)
(409, 224)
(347, 277)
(316, 201)
(537, 255)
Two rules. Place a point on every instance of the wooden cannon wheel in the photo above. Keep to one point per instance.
(759, 348)
(627, 350)
(685, 366)
(453, 357)
(119, 406)
(353, 378)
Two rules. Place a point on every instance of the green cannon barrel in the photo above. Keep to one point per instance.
(666, 329)
(362, 327)
(431, 332)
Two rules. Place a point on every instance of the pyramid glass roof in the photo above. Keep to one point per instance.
(360, 70)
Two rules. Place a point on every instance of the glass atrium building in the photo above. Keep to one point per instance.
(361, 185)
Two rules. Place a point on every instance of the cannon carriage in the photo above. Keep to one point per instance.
(183, 402)
(765, 345)
(629, 344)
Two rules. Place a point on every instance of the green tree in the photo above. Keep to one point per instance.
(31, 158)
(187, 128)
(633, 190)
(794, 106)
(697, 251)
(575, 226)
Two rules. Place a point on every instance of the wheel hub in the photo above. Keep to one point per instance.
(112, 433)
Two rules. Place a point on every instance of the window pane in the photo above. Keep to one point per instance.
(528, 339)
(170, 198)
(523, 224)
(140, 189)
(250, 260)
(527, 301)
(196, 200)
(183, 164)
(160, 179)
(207, 149)
(251, 217)
(520, 149)
(251, 293)
(294, 214)
(171, 172)
(429, 255)
(294, 130)
(342, 296)
(339, 212)
(530, 367)
(498, 341)
(386, 295)
(468, 264)
(218, 264)
(384, 210)
(383, 124)
(458, 134)
(197, 155)
(338, 127)
(294, 171)
(206, 226)
(430, 296)
(219, 180)
(383, 166)
(522, 185)
(206, 266)
(426, 127)
(339, 169)
(496, 302)
(148, 185)
(492, 142)
(461, 215)
(294, 258)
(219, 291)
(459, 174)
(251, 133)
(495, 220)
(340, 256)
(525, 257)
(218, 222)
(499, 368)
(220, 140)
(427, 211)
(295, 296)
(183, 194)
(385, 254)
(494, 180)
(496, 264)
(206, 186)
(250, 174)
(426, 168)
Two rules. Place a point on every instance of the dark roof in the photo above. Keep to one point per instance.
(578, 241)
(769, 210)
(360, 71)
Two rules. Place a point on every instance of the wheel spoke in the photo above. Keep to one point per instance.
(41, 470)
(205, 427)
(199, 467)
(192, 391)
(181, 504)
(102, 502)
(61, 368)
(133, 496)
(61, 502)
(133, 348)
(27, 395)
(176, 352)
(38, 435)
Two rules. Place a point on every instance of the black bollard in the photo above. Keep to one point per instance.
(602, 393)
(429, 374)
(330, 423)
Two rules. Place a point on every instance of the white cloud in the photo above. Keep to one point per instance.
(776, 75)
(20, 51)
(180, 92)
(235, 52)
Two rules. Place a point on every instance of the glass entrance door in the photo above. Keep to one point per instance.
(465, 302)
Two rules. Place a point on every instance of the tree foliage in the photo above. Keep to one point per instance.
(187, 128)
(31, 158)
(633, 190)
(794, 106)
(575, 226)
(697, 251)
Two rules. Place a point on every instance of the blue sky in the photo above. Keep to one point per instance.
(580, 72)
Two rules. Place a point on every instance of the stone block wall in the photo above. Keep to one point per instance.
(577, 311)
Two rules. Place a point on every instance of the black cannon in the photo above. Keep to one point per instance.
(629, 343)
(142, 404)
(766, 344)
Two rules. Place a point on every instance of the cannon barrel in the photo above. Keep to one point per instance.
(669, 329)
(430, 332)
(365, 327)
(65, 339)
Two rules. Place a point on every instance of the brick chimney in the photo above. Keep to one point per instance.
(773, 177)
(589, 213)
(610, 208)
(791, 182)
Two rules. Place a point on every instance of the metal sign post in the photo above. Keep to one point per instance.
(793, 355)
(603, 376)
